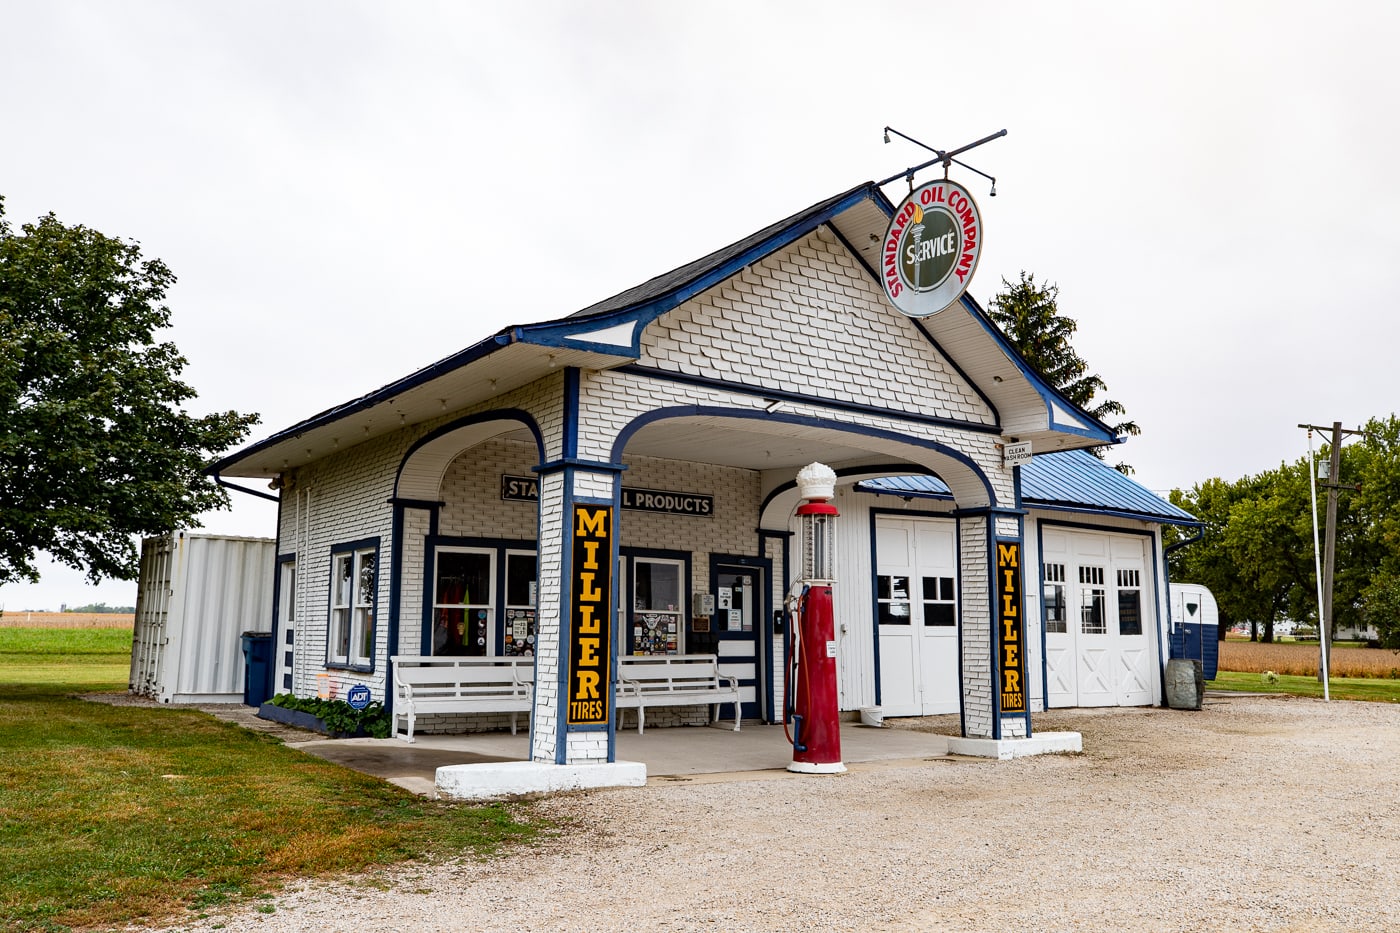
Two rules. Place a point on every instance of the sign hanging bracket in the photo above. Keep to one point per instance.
(946, 158)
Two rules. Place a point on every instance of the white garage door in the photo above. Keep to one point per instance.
(916, 609)
(1098, 644)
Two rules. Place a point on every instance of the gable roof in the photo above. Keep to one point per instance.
(608, 334)
(1066, 481)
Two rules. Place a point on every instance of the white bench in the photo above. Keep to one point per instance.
(427, 685)
(674, 680)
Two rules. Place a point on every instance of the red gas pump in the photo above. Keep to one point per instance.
(811, 708)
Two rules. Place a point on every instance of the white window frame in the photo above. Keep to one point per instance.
(939, 599)
(1093, 600)
(678, 614)
(351, 625)
(895, 598)
(522, 616)
(1129, 580)
(1056, 598)
(473, 605)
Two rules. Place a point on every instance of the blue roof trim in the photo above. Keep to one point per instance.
(918, 323)
(1042, 388)
(1096, 429)
(705, 274)
(1069, 481)
(471, 354)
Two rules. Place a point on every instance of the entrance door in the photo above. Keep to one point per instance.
(1097, 647)
(916, 615)
(739, 590)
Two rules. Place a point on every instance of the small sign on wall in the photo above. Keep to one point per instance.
(1016, 454)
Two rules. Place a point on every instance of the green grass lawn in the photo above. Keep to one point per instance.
(1382, 690)
(110, 814)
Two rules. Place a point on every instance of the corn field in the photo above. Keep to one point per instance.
(1302, 659)
(23, 619)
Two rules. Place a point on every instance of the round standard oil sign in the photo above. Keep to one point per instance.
(931, 248)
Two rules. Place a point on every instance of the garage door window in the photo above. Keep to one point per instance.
(1129, 602)
(1055, 618)
(938, 601)
(892, 599)
(1093, 599)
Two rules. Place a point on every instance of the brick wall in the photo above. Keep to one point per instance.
(976, 627)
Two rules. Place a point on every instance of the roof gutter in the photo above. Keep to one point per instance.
(1200, 533)
(244, 489)
(456, 361)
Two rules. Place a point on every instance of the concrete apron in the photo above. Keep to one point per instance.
(492, 764)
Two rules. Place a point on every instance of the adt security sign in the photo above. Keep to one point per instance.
(358, 696)
(931, 248)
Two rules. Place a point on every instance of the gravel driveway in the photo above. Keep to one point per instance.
(1253, 814)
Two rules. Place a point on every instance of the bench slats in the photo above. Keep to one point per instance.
(427, 685)
(460, 685)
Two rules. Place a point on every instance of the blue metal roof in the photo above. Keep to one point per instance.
(1070, 480)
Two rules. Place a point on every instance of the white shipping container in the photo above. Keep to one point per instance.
(196, 597)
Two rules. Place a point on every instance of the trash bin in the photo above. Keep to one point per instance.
(257, 654)
(1186, 687)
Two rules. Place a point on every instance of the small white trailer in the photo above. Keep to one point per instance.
(1195, 626)
(196, 597)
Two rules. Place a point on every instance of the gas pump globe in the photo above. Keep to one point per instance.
(811, 707)
(817, 484)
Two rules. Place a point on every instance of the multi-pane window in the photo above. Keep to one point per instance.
(1129, 602)
(940, 606)
(463, 601)
(353, 575)
(892, 599)
(1056, 618)
(1092, 601)
(657, 606)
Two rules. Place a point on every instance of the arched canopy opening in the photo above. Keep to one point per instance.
(779, 443)
(420, 473)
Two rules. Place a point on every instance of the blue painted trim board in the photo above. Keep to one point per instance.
(768, 392)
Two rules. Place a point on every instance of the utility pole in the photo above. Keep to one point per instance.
(1329, 563)
(1326, 614)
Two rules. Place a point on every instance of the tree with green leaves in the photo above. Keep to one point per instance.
(1256, 550)
(95, 444)
(1028, 313)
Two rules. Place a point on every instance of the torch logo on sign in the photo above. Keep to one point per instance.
(931, 248)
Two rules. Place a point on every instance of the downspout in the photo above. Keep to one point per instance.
(252, 492)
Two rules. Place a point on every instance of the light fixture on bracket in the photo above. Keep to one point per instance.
(945, 159)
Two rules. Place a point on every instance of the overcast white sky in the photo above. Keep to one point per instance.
(344, 188)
